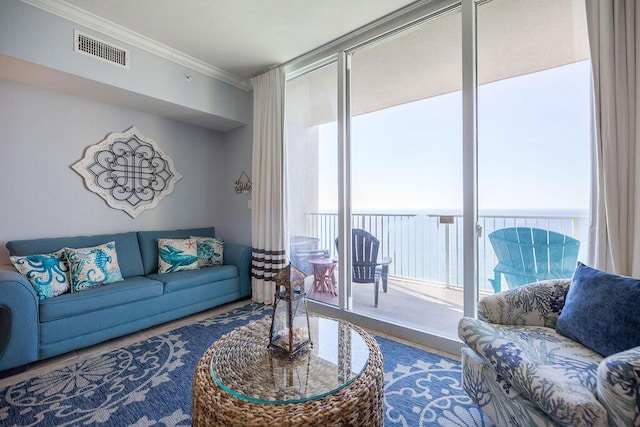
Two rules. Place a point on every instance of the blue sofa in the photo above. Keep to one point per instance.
(33, 329)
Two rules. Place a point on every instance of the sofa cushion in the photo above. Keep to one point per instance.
(129, 290)
(601, 311)
(126, 244)
(48, 273)
(177, 255)
(552, 371)
(210, 251)
(94, 266)
(148, 241)
(202, 276)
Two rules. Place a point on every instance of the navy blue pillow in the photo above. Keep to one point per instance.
(601, 311)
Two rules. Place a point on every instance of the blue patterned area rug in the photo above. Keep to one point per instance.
(149, 384)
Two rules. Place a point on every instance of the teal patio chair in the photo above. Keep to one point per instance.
(528, 255)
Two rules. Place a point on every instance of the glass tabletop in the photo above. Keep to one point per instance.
(243, 366)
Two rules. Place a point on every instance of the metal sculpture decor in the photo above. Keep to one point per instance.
(243, 184)
(130, 172)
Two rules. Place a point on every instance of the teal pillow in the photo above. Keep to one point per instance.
(48, 273)
(601, 311)
(94, 266)
(210, 251)
(177, 255)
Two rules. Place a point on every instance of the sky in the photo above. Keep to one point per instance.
(533, 149)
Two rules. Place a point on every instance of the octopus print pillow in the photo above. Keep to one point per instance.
(89, 267)
(48, 273)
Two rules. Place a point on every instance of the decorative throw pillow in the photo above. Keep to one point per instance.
(177, 255)
(210, 251)
(94, 266)
(48, 273)
(601, 311)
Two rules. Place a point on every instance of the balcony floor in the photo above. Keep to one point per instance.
(428, 307)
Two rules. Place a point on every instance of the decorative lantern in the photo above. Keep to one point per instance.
(290, 321)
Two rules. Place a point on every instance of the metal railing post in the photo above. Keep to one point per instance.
(447, 262)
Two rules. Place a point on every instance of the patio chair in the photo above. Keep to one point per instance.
(301, 259)
(365, 267)
(527, 255)
(304, 248)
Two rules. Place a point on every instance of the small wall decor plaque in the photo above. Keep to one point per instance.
(243, 184)
(130, 172)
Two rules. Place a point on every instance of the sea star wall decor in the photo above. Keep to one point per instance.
(130, 172)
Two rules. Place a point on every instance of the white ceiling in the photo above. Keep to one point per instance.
(241, 37)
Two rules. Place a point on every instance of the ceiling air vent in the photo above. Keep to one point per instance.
(99, 49)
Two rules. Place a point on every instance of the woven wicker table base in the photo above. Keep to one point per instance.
(358, 404)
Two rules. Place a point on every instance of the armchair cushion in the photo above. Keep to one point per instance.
(601, 311)
(556, 374)
(619, 387)
(535, 304)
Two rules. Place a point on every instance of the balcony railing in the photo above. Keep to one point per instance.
(429, 247)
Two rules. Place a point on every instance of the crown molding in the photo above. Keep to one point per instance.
(92, 21)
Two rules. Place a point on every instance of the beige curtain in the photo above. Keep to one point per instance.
(614, 39)
(268, 219)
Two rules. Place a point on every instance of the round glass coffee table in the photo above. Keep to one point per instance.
(338, 381)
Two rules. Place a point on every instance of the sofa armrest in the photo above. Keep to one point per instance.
(619, 387)
(240, 255)
(20, 306)
(535, 304)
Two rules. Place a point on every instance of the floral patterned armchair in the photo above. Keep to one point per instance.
(521, 372)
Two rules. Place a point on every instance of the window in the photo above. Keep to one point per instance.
(405, 150)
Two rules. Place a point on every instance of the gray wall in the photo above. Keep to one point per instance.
(38, 37)
(42, 133)
(238, 145)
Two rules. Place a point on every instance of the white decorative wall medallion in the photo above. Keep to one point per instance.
(129, 171)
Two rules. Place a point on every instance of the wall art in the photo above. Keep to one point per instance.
(243, 184)
(130, 172)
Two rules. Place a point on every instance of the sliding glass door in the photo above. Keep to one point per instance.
(406, 174)
(312, 178)
(533, 140)
(377, 142)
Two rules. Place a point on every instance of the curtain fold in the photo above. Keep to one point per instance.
(614, 39)
(268, 214)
